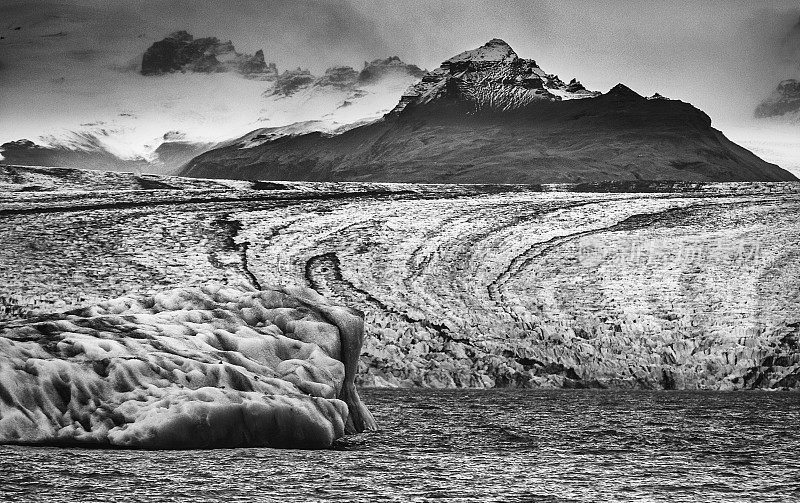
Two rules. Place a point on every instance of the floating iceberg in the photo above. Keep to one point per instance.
(189, 368)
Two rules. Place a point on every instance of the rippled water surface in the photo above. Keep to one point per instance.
(498, 445)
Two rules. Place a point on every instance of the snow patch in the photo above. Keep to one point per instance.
(494, 50)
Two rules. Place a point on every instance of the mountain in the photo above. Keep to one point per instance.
(773, 129)
(392, 67)
(339, 100)
(191, 95)
(783, 102)
(346, 77)
(491, 77)
(181, 52)
(104, 149)
(27, 153)
(489, 116)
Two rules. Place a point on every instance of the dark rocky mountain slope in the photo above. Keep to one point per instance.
(181, 52)
(488, 116)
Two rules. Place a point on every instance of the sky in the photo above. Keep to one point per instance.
(723, 56)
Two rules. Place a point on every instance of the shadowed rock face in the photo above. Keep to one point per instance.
(181, 52)
(784, 100)
(184, 369)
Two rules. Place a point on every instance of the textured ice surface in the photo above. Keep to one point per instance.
(683, 285)
(188, 368)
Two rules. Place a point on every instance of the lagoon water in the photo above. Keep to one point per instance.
(468, 445)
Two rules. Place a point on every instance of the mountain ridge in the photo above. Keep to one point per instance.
(492, 77)
(194, 83)
(488, 116)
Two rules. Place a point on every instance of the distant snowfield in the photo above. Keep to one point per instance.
(141, 112)
(131, 114)
(775, 142)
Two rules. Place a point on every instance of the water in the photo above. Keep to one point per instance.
(455, 445)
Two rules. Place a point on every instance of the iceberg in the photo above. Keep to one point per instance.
(208, 367)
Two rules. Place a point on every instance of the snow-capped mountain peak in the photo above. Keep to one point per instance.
(491, 77)
(495, 50)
